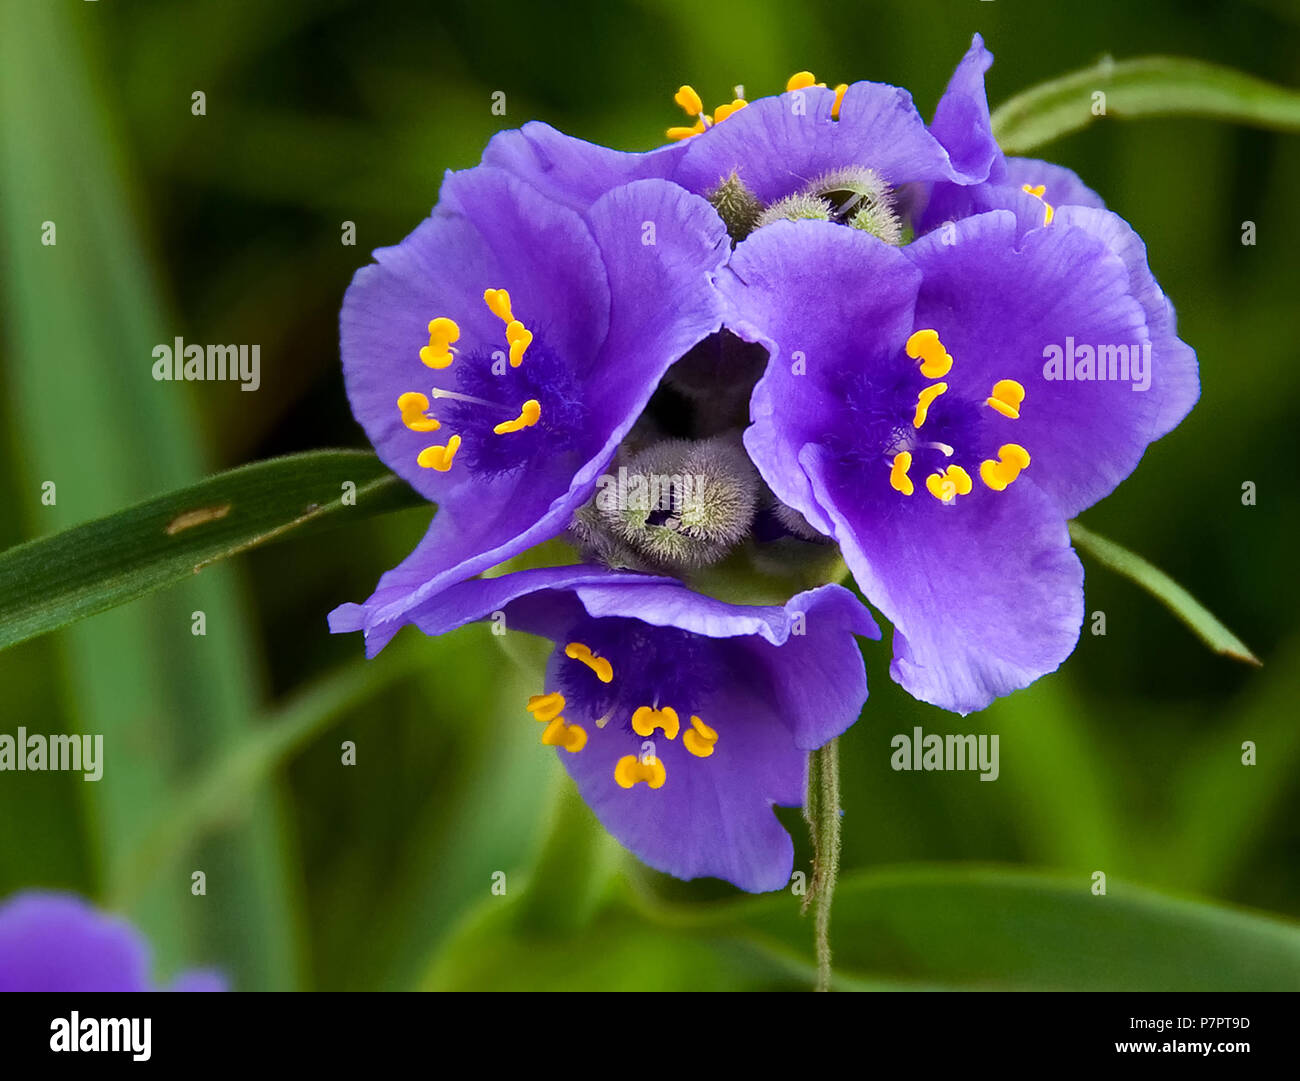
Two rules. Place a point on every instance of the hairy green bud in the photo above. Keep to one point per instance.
(797, 207)
(737, 206)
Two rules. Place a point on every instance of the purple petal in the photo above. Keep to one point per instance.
(713, 816)
(489, 231)
(1061, 188)
(200, 980)
(781, 680)
(58, 942)
(659, 248)
(777, 145)
(1000, 304)
(1180, 384)
(985, 596)
(570, 171)
(804, 289)
(961, 119)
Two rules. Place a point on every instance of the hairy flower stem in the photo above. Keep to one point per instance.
(822, 813)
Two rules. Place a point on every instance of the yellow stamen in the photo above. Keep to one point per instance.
(949, 484)
(1049, 211)
(1012, 458)
(498, 302)
(699, 738)
(1007, 398)
(677, 134)
(571, 737)
(925, 346)
(924, 400)
(545, 707)
(723, 111)
(600, 665)
(645, 720)
(520, 338)
(412, 406)
(439, 458)
(839, 100)
(801, 80)
(529, 415)
(442, 332)
(630, 770)
(689, 100)
(898, 478)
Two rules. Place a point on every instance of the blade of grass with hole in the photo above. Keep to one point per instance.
(56, 580)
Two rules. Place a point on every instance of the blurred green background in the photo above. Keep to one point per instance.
(224, 750)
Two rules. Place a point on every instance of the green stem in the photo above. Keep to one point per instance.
(822, 813)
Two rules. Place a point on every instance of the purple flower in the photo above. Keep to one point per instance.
(499, 354)
(59, 942)
(681, 718)
(779, 148)
(942, 409)
(1030, 188)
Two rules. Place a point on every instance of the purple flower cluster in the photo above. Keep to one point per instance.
(811, 324)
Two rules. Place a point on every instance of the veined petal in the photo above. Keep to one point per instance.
(961, 119)
(656, 246)
(758, 685)
(985, 596)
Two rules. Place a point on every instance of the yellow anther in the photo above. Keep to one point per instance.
(600, 665)
(545, 707)
(529, 415)
(631, 770)
(689, 100)
(926, 347)
(839, 100)
(442, 332)
(800, 80)
(699, 738)
(1012, 458)
(898, 478)
(645, 720)
(1015, 454)
(1007, 397)
(412, 406)
(571, 737)
(949, 484)
(439, 458)
(677, 134)
(520, 338)
(723, 111)
(498, 302)
(1037, 192)
(924, 400)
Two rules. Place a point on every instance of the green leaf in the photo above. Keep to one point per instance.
(981, 927)
(1186, 607)
(1150, 86)
(52, 581)
(908, 928)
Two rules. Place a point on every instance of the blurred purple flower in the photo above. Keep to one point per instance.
(60, 942)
